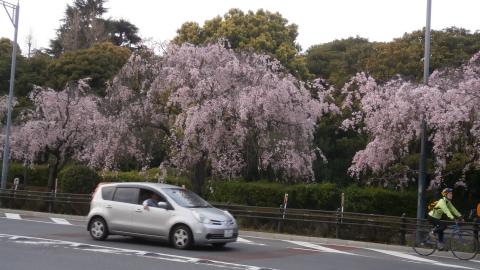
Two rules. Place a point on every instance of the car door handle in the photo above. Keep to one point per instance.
(139, 210)
(108, 206)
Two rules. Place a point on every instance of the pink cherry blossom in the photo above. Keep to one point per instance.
(391, 115)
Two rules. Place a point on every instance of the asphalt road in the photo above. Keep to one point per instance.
(44, 243)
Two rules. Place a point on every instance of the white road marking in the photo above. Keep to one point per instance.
(122, 251)
(245, 241)
(61, 221)
(46, 222)
(418, 259)
(12, 216)
(318, 247)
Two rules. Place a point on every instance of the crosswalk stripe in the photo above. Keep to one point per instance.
(417, 259)
(318, 247)
(61, 221)
(245, 241)
(12, 216)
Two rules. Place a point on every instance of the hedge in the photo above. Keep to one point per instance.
(380, 201)
(323, 196)
(150, 175)
(77, 179)
(37, 175)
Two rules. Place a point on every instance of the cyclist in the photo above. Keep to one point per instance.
(443, 206)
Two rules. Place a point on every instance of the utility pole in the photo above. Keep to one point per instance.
(423, 155)
(13, 12)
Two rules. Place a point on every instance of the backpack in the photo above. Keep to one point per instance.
(432, 205)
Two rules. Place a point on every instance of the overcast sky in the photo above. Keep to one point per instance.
(319, 21)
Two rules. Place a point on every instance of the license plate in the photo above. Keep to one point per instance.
(228, 233)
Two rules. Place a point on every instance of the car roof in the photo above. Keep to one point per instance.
(139, 185)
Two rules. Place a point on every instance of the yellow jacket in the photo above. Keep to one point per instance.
(444, 206)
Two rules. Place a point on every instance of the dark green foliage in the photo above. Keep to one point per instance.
(380, 201)
(21, 86)
(122, 33)
(339, 60)
(249, 193)
(83, 26)
(261, 31)
(150, 175)
(100, 63)
(449, 48)
(77, 179)
(325, 196)
(36, 175)
(339, 147)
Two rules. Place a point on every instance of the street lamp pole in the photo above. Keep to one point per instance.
(6, 149)
(423, 155)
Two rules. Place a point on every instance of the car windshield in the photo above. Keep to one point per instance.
(186, 198)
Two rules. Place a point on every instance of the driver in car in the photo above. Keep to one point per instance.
(152, 201)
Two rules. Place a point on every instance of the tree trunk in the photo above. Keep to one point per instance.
(199, 175)
(25, 176)
(251, 157)
(52, 174)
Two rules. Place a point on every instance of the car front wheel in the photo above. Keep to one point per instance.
(98, 229)
(181, 237)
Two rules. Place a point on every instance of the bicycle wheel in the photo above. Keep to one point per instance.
(423, 243)
(463, 245)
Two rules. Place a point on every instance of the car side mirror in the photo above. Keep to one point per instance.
(163, 205)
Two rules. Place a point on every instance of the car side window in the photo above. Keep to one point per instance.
(146, 194)
(126, 195)
(107, 193)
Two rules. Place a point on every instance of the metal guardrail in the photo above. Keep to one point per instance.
(67, 203)
(44, 196)
(343, 225)
(347, 225)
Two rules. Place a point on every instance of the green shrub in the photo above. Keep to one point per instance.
(323, 196)
(150, 175)
(37, 175)
(77, 179)
(130, 176)
(380, 201)
(248, 193)
(313, 196)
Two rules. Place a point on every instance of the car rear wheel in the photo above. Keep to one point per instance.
(98, 228)
(181, 237)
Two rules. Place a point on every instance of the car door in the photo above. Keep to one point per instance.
(153, 220)
(121, 207)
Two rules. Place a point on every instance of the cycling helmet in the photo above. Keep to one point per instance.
(445, 191)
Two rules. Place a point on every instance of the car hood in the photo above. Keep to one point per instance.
(213, 213)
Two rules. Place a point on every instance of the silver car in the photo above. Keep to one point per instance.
(178, 216)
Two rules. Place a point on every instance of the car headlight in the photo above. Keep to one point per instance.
(201, 218)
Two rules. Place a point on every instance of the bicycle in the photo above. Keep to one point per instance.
(462, 243)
